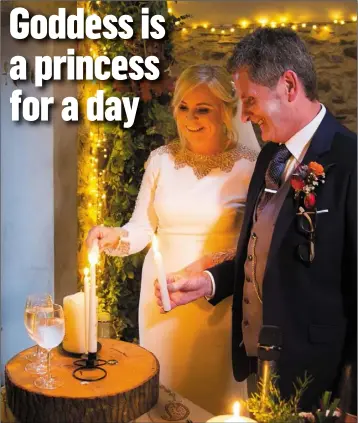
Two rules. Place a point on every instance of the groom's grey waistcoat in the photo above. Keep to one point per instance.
(255, 265)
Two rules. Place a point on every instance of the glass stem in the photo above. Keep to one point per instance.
(49, 377)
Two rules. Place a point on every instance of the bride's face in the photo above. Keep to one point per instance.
(199, 119)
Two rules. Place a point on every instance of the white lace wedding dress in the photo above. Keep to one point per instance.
(195, 206)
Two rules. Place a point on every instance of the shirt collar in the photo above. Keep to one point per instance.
(297, 143)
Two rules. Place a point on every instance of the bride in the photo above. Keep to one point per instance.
(192, 197)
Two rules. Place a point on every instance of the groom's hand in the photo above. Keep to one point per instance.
(185, 287)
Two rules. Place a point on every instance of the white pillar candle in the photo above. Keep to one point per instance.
(73, 308)
(86, 289)
(92, 318)
(162, 279)
(235, 418)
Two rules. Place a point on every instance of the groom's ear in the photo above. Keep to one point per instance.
(291, 84)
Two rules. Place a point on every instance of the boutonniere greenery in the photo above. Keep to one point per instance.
(305, 181)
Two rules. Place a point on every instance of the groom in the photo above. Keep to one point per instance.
(296, 259)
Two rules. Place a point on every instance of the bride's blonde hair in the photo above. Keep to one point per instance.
(219, 81)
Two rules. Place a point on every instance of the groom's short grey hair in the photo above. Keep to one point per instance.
(267, 53)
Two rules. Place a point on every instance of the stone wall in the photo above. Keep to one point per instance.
(334, 52)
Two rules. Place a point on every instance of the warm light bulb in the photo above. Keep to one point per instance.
(314, 27)
(263, 21)
(86, 271)
(326, 28)
(170, 10)
(184, 29)
(213, 30)
(335, 21)
(273, 24)
(342, 22)
(294, 27)
(177, 23)
(354, 18)
(222, 31)
(283, 25)
(205, 26)
(232, 29)
(304, 25)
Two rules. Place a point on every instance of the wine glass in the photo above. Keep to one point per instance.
(32, 302)
(49, 330)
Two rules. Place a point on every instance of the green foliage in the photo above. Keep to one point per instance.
(271, 408)
(325, 414)
(268, 406)
(128, 149)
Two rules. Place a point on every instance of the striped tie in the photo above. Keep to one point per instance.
(273, 175)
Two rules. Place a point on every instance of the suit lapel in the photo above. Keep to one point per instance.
(320, 144)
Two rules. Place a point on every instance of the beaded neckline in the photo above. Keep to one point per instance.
(203, 164)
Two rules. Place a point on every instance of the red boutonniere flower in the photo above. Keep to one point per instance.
(305, 180)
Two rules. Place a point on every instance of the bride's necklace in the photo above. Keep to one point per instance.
(203, 164)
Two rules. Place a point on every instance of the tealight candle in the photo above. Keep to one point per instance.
(236, 418)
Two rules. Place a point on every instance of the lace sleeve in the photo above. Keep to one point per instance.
(210, 260)
(137, 233)
(219, 257)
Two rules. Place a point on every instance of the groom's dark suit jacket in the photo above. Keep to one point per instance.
(315, 306)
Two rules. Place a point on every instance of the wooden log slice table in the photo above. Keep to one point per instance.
(130, 389)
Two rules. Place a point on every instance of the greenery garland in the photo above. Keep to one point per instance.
(121, 168)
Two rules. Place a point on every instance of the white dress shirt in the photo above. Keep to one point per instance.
(297, 145)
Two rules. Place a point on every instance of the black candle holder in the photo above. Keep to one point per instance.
(89, 363)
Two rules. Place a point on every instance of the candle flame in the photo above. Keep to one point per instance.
(93, 254)
(86, 271)
(236, 409)
(155, 245)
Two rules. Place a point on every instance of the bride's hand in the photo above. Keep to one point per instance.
(107, 237)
